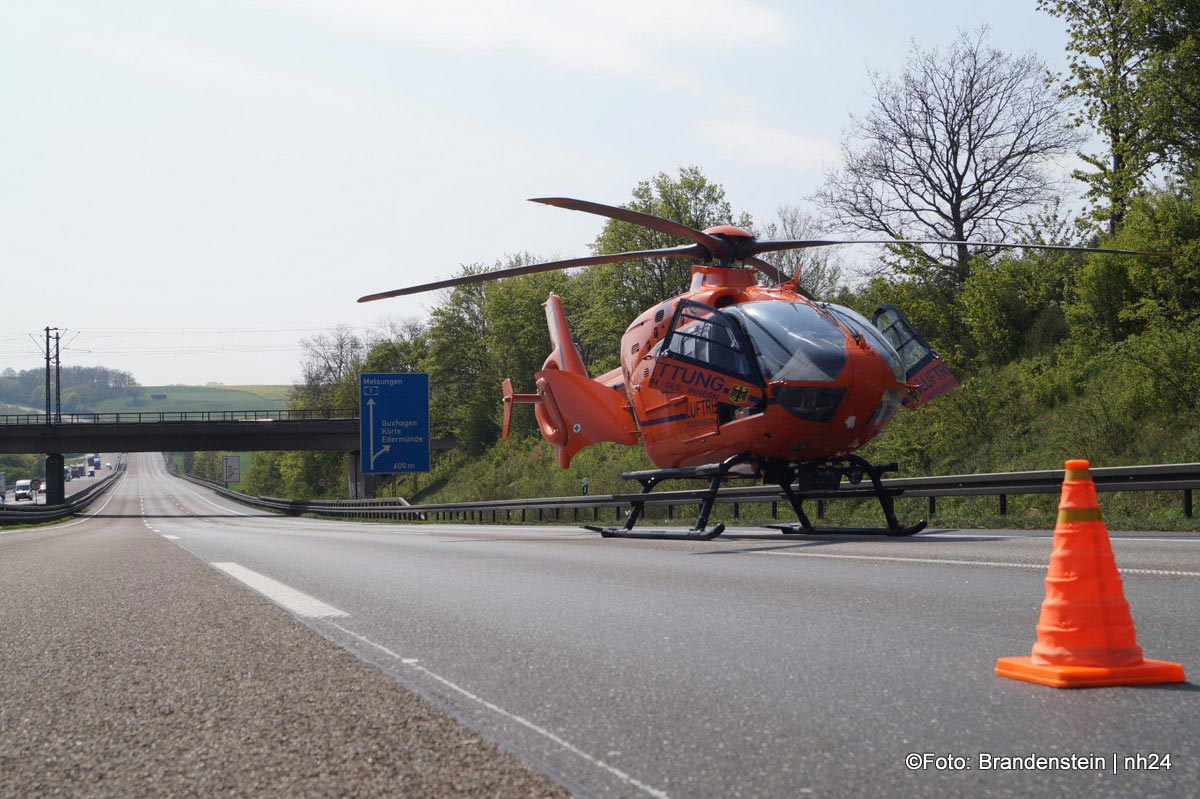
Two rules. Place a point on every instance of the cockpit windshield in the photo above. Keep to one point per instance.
(794, 341)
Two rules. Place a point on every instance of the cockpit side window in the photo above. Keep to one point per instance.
(912, 348)
(707, 337)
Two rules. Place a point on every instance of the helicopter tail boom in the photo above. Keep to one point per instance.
(576, 411)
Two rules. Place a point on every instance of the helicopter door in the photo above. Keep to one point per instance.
(706, 355)
(922, 365)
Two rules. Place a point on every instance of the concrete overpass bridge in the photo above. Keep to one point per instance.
(180, 431)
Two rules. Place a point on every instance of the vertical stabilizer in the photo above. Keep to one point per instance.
(564, 355)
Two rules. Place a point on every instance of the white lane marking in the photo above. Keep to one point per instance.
(949, 562)
(289, 598)
(1049, 536)
(85, 516)
(203, 498)
(616, 772)
(168, 537)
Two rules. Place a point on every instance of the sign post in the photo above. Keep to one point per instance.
(393, 423)
(233, 469)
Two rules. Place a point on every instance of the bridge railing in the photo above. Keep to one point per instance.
(1181, 477)
(33, 514)
(135, 417)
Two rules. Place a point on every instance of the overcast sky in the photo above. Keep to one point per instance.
(192, 187)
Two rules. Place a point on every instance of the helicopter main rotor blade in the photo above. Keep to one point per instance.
(683, 251)
(713, 244)
(756, 247)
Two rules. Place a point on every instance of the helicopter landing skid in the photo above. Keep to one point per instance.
(694, 534)
(858, 468)
(715, 473)
(800, 529)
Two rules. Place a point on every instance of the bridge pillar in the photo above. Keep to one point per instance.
(56, 486)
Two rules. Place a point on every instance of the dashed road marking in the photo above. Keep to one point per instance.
(168, 537)
(283, 595)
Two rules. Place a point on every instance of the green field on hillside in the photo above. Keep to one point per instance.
(200, 398)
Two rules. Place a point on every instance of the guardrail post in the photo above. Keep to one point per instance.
(574, 514)
(932, 506)
(670, 511)
(1187, 503)
(595, 513)
(539, 514)
(736, 511)
(522, 515)
(1003, 505)
(493, 516)
(820, 509)
(774, 510)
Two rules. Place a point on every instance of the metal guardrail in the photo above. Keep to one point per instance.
(1182, 477)
(176, 416)
(34, 514)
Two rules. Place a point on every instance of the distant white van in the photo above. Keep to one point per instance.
(23, 490)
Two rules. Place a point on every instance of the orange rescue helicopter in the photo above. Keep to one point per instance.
(733, 378)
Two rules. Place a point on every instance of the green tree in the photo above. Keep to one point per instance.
(617, 293)
(1120, 295)
(402, 349)
(520, 339)
(1014, 307)
(1107, 54)
(464, 383)
(1173, 70)
(263, 478)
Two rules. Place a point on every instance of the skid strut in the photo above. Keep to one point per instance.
(715, 473)
(857, 467)
(793, 479)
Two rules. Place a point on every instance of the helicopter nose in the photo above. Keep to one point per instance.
(810, 403)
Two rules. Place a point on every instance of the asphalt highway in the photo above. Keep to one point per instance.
(751, 665)
(73, 486)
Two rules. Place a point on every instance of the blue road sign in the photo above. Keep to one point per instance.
(393, 429)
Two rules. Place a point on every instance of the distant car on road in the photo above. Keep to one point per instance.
(23, 490)
(109, 464)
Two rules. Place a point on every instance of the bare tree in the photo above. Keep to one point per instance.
(819, 270)
(328, 358)
(958, 147)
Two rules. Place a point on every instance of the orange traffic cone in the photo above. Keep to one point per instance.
(1085, 636)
